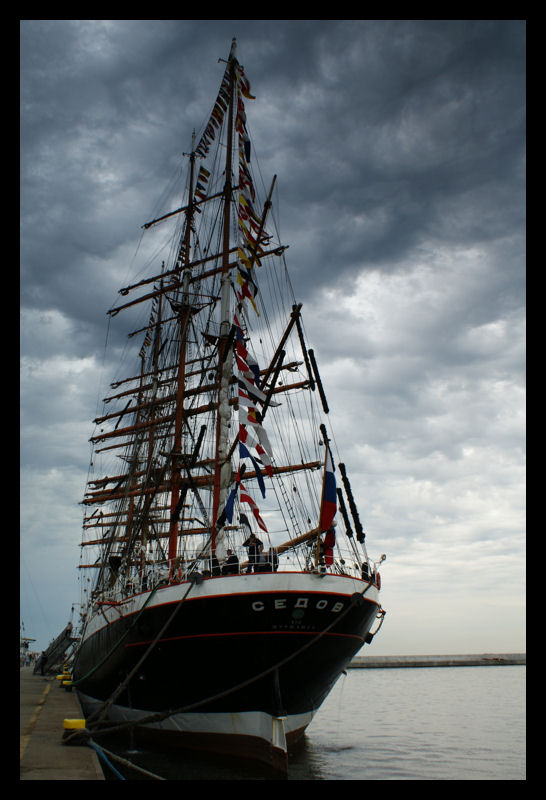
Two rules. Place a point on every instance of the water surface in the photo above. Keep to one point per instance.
(429, 723)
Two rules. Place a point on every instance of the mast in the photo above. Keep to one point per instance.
(134, 464)
(144, 532)
(184, 316)
(222, 462)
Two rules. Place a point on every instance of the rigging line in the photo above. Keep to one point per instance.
(103, 752)
(355, 599)
(98, 404)
(121, 687)
(132, 452)
(40, 606)
(136, 530)
(107, 703)
(172, 189)
(102, 756)
(275, 218)
(312, 423)
(107, 656)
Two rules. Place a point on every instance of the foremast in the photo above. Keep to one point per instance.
(183, 261)
(153, 468)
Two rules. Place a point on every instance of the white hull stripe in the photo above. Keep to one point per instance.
(256, 724)
(263, 584)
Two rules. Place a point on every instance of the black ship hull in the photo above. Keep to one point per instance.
(263, 650)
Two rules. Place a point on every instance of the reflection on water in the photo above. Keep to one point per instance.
(444, 723)
(307, 762)
(175, 765)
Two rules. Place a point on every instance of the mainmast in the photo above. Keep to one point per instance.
(222, 462)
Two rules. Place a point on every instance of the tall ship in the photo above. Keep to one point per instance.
(226, 582)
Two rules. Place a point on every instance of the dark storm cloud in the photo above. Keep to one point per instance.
(416, 133)
(387, 132)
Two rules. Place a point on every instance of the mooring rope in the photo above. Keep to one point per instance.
(107, 703)
(120, 640)
(105, 755)
(162, 715)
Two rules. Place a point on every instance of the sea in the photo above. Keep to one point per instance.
(386, 724)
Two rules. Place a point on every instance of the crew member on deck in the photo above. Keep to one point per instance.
(231, 565)
(253, 544)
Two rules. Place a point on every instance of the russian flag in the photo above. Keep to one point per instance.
(329, 495)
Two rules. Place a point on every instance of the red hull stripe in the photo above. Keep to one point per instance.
(245, 633)
(191, 599)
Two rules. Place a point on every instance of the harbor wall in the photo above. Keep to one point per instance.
(473, 660)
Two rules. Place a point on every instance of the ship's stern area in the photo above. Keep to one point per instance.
(236, 664)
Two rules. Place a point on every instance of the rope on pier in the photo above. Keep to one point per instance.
(106, 755)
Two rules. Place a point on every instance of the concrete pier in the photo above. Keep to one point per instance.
(472, 660)
(44, 706)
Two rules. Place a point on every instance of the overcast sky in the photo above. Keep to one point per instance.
(399, 147)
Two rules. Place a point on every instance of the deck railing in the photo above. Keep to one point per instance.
(197, 568)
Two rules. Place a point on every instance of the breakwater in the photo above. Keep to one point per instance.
(472, 660)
